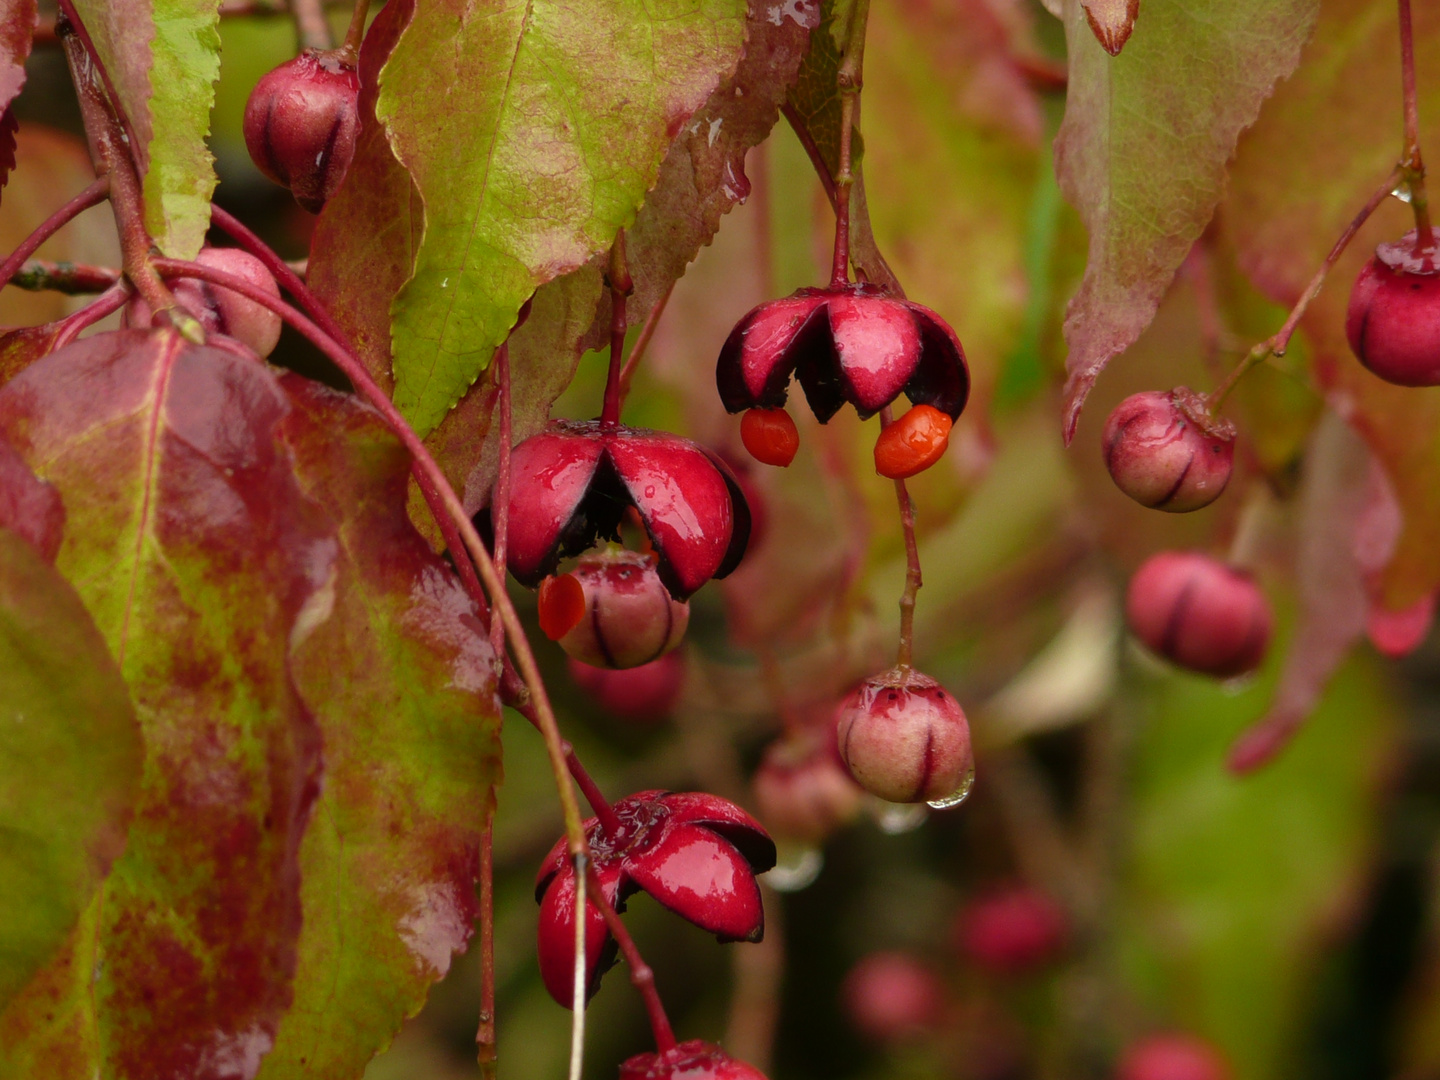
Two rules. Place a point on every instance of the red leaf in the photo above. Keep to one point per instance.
(28, 505)
(17, 31)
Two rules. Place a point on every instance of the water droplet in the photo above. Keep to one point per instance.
(897, 818)
(796, 867)
(959, 795)
(1401, 191)
(1237, 685)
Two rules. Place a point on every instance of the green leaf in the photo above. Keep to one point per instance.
(1324, 123)
(195, 552)
(1232, 882)
(70, 755)
(401, 677)
(1143, 148)
(532, 133)
(162, 58)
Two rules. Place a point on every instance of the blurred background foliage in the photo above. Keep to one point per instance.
(1288, 916)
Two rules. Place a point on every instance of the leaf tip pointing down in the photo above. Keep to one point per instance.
(1112, 22)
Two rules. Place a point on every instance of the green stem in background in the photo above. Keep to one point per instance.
(93, 195)
(355, 32)
(1413, 162)
(641, 975)
(620, 283)
(311, 24)
(913, 580)
(1276, 345)
(848, 82)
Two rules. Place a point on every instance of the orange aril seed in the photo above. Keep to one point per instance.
(561, 604)
(770, 436)
(913, 443)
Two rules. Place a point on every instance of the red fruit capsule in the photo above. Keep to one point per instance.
(1166, 452)
(892, 997)
(627, 618)
(1199, 613)
(561, 603)
(802, 789)
(691, 1060)
(1172, 1056)
(913, 443)
(1393, 321)
(905, 739)
(640, 695)
(221, 310)
(1012, 931)
(301, 122)
(770, 436)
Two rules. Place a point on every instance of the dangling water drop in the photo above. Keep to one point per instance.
(1401, 191)
(796, 868)
(959, 795)
(897, 818)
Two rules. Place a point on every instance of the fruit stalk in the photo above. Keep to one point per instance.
(913, 580)
(609, 821)
(621, 286)
(355, 32)
(641, 975)
(1414, 163)
(643, 342)
(848, 82)
(1276, 345)
(486, 1052)
(93, 195)
(500, 501)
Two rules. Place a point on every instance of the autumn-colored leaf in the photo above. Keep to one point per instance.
(70, 757)
(162, 57)
(1113, 21)
(1327, 121)
(195, 552)
(569, 111)
(1143, 148)
(29, 507)
(703, 176)
(17, 30)
(401, 677)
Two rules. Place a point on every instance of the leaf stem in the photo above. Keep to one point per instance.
(1414, 163)
(848, 81)
(355, 32)
(1276, 345)
(486, 1051)
(107, 303)
(642, 343)
(500, 499)
(311, 24)
(93, 195)
(642, 977)
(913, 580)
(621, 285)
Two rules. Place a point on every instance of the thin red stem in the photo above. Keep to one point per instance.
(284, 276)
(486, 1051)
(621, 286)
(913, 580)
(848, 81)
(812, 149)
(71, 279)
(355, 32)
(610, 823)
(500, 499)
(355, 371)
(1414, 162)
(107, 303)
(641, 975)
(93, 195)
(1276, 345)
(642, 343)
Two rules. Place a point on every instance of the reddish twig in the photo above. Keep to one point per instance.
(72, 279)
(617, 277)
(500, 499)
(1414, 163)
(913, 580)
(642, 342)
(641, 975)
(486, 1050)
(93, 195)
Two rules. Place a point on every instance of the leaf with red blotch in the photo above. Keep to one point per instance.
(17, 32)
(196, 553)
(1143, 148)
(532, 137)
(29, 507)
(1323, 120)
(365, 240)
(22, 347)
(71, 759)
(162, 58)
(401, 677)
(1337, 492)
(1112, 22)
(703, 176)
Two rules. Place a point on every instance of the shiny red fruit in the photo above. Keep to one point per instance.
(905, 739)
(852, 344)
(1166, 452)
(912, 443)
(891, 997)
(641, 695)
(626, 617)
(220, 310)
(1012, 931)
(802, 789)
(301, 123)
(770, 436)
(692, 1060)
(696, 854)
(1393, 321)
(560, 605)
(1199, 613)
(1172, 1056)
(572, 483)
